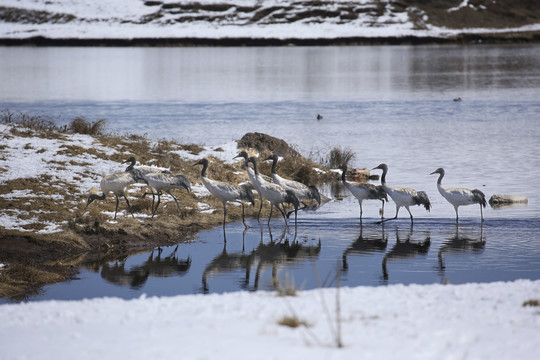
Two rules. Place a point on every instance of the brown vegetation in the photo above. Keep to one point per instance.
(34, 259)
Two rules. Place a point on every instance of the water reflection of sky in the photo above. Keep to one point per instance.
(263, 258)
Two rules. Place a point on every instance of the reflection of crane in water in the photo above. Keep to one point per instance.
(366, 244)
(271, 254)
(154, 266)
(461, 242)
(405, 250)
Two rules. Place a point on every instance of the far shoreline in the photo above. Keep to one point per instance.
(531, 37)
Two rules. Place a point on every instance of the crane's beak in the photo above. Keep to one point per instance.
(435, 172)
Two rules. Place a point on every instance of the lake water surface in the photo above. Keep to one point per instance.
(387, 104)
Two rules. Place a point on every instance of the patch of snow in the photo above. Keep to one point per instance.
(17, 194)
(473, 321)
(463, 4)
(205, 208)
(13, 222)
(123, 19)
(50, 228)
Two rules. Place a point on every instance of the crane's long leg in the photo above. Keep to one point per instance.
(382, 210)
(176, 201)
(271, 208)
(395, 217)
(409, 213)
(129, 206)
(481, 213)
(116, 208)
(224, 214)
(283, 213)
(153, 198)
(260, 207)
(243, 217)
(158, 201)
(361, 210)
(457, 216)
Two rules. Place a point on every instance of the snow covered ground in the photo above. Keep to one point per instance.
(219, 19)
(31, 155)
(472, 321)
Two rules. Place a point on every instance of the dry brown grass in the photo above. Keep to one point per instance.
(292, 322)
(80, 125)
(20, 281)
(532, 303)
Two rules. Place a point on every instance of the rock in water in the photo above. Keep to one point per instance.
(499, 200)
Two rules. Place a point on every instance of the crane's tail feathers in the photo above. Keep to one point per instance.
(479, 197)
(247, 194)
(314, 194)
(291, 198)
(381, 193)
(421, 198)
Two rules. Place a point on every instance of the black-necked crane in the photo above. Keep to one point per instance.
(226, 192)
(460, 196)
(302, 191)
(164, 181)
(276, 194)
(143, 169)
(403, 196)
(364, 191)
(253, 178)
(117, 184)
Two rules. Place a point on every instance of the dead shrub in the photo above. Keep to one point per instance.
(292, 321)
(338, 156)
(81, 126)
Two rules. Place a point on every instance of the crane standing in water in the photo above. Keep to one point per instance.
(226, 192)
(253, 179)
(276, 194)
(403, 196)
(364, 191)
(460, 196)
(302, 191)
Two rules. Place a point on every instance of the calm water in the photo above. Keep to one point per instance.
(388, 104)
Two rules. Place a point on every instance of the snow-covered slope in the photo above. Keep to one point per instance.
(472, 321)
(269, 19)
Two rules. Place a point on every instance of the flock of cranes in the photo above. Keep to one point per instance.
(277, 190)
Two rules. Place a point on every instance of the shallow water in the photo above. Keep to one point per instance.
(387, 104)
(320, 252)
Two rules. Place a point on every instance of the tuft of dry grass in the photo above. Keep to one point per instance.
(81, 126)
(338, 156)
(532, 303)
(287, 288)
(293, 322)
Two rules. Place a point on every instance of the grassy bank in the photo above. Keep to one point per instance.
(46, 175)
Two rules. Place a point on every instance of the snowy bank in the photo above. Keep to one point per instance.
(274, 19)
(472, 321)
